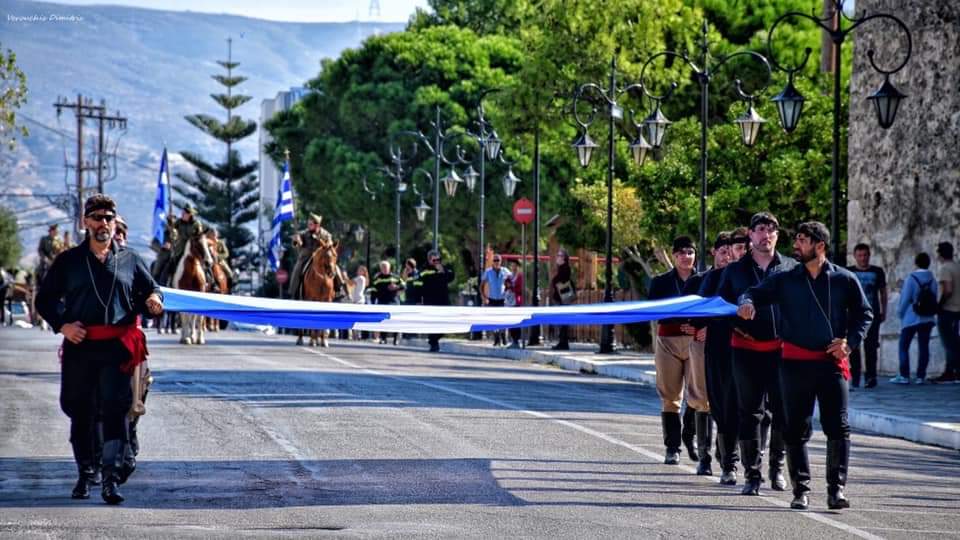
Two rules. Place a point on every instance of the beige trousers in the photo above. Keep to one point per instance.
(680, 363)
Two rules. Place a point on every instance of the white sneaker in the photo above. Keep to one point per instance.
(900, 379)
(919, 380)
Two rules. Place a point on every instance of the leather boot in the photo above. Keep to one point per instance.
(777, 454)
(728, 459)
(82, 488)
(750, 457)
(671, 437)
(838, 458)
(112, 457)
(798, 465)
(689, 431)
(704, 442)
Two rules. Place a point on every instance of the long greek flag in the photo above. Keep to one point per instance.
(432, 319)
(283, 212)
(160, 205)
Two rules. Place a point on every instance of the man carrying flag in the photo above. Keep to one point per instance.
(283, 212)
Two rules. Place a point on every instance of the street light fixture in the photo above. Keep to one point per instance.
(510, 182)
(422, 210)
(703, 69)
(585, 146)
(470, 177)
(886, 100)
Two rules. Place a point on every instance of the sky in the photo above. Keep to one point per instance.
(279, 10)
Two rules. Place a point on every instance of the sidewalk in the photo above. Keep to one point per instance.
(928, 414)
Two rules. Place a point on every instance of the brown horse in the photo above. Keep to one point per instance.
(220, 282)
(318, 284)
(189, 276)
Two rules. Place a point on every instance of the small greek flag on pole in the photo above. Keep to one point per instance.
(283, 212)
(160, 205)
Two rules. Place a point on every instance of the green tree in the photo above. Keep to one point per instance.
(225, 193)
(9, 243)
(13, 94)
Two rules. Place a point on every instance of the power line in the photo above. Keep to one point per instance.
(73, 137)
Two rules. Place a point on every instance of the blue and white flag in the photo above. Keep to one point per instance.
(160, 205)
(283, 212)
(433, 319)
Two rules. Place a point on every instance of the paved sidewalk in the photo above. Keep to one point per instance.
(928, 414)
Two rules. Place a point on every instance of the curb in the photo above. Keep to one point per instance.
(639, 368)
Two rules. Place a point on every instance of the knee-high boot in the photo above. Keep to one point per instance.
(704, 442)
(671, 437)
(83, 456)
(838, 459)
(689, 432)
(112, 459)
(798, 465)
(750, 457)
(728, 458)
(775, 461)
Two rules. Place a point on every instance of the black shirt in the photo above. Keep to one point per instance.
(381, 288)
(815, 311)
(434, 286)
(872, 280)
(741, 275)
(667, 285)
(78, 287)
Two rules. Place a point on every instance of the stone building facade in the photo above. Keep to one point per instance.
(904, 182)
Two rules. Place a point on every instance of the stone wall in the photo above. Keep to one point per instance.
(904, 182)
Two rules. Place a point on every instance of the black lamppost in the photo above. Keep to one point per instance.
(452, 179)
(703, 68)
(886, 100)
(584, 145)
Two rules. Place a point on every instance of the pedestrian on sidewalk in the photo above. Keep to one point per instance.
(358, 295)
(920, 283)
(948, 318)
(513, 297)
(756, 356)
(874, 282)
(434, 288)
(492, 289)
(93, 294)
(825, 315)
(563, 292)
(672, 354)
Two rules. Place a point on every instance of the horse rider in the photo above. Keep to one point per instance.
(165, 250)
(306, 242)
(222, 253)
(50, 246)
(187, 227)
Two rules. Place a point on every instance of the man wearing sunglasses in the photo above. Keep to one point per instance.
(434, 287)
(93, 295)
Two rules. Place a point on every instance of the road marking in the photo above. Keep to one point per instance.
(593, 433)
(924, 531)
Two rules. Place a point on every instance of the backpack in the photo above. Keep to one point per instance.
(926, 302)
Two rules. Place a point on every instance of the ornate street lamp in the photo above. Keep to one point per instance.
(886, 100)
(703, 68)
(510, 182)
(422, 210)
(470, 177)
(585, 147)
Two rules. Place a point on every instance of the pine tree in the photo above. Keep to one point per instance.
(226, 194)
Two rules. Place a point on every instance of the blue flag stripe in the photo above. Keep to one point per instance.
(160, 204)
(283, 212)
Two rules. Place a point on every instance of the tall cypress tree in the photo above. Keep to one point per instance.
(226, 194)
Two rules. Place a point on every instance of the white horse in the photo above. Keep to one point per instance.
(190, 276)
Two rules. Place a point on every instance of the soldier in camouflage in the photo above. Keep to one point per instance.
(306, 242)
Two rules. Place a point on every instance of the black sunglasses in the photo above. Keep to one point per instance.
(102, 217)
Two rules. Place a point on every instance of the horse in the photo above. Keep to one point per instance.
(189, 276)
(220, 282)
(318, 284)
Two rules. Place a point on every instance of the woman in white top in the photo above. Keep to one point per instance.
(359, 295)
(914, 324)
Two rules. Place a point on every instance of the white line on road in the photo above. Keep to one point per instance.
(599, 435)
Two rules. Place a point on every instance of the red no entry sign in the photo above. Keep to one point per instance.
(282, 276)
(523, 211)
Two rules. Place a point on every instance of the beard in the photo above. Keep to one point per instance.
(804, 257)
(102, 235)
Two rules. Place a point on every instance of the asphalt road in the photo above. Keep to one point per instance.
(250, 436)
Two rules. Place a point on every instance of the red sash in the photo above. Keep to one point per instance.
(132, 338)
(796, 353)
(670, 330)
(738, 341)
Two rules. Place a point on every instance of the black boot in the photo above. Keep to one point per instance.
(838, 458)
(704, 442)
(671, 437)
(750, 457)
(777, 455)
(112, 457)
(82, 488)
(798, 465)
(728, 459)
(689, 431)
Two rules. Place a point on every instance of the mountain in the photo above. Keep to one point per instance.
(154, 67)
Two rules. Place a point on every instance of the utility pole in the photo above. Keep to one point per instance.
(84, 108)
